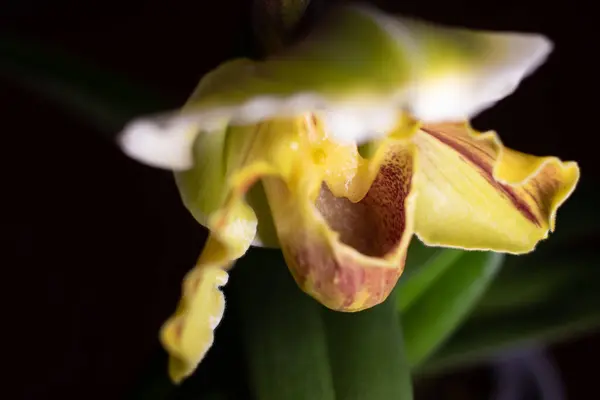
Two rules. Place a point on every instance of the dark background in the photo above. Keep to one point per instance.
(102, 242)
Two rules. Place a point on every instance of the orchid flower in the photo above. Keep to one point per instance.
(341, 148)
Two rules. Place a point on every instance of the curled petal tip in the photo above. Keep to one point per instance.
(188, 335)
(474, 193)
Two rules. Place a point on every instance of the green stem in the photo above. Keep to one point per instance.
(282, 331)
(368, 360)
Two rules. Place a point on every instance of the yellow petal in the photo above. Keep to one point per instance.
(474, 193)
(344, 234)
(188, 334)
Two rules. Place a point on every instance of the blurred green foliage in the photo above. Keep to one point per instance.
(443, 304)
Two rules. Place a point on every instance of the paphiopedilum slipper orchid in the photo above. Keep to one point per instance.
(341, 148)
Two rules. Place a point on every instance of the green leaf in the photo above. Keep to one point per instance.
(537, 277)
(527, 281)
(282, 331)
(368, 358)
(535, 298)
(418, 255)
(420, 280)
(433, 317)
(483, 337)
